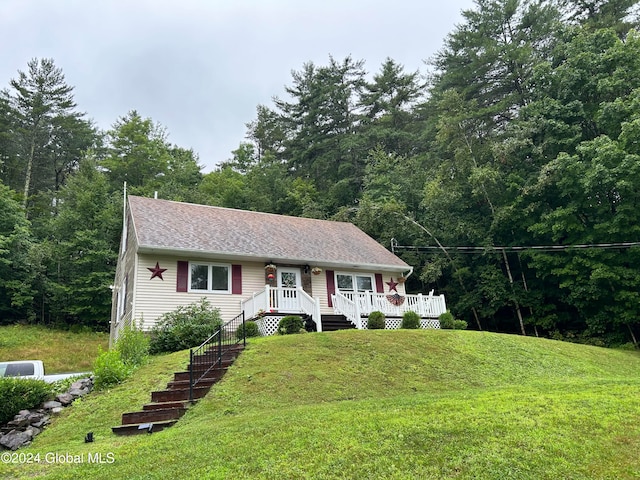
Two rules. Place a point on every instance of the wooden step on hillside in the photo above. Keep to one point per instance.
(168, 405)
(331, 323)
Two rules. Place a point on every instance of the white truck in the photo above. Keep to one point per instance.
(32, 369)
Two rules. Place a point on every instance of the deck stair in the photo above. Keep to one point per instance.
(331, 323)
(168, 405)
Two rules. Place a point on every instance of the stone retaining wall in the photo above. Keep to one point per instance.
(28, 423)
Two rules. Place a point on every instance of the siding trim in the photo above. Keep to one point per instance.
(182, 277)
(331, 286)
(379, 284)
(236, 279)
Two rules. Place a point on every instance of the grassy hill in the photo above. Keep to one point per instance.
(61, 351)
(373, 404)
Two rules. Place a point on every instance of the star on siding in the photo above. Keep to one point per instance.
(156, 272)
(392, 285)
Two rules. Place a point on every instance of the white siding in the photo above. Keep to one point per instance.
(153, 297)
(124, 281)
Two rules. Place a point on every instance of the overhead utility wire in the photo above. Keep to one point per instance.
(543, 248)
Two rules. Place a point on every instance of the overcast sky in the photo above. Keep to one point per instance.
(199, 67)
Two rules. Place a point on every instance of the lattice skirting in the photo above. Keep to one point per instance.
(394, 323)
(268, 325)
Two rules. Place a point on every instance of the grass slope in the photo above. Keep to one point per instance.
(61, 351)
(374, 404)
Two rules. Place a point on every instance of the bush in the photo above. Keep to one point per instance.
(446, 320)
(109, 369)
(290, 324)
(20, 394)
(249, 329)
(410, 320)
(133, 346)
(376, 321)
(185, 327)
(460, 325)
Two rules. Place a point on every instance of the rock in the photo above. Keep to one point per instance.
(28, 423)
(35, 417)
(78, 392)
(15, 439)
(51, 404)
(82, 383)
(19, 421)
(41, 423)
(65, 398)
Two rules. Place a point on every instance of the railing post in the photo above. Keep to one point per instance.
(244, 331)
(317, 314)
(191, 375)
(358, 317)
(220, 348)
(267, 294)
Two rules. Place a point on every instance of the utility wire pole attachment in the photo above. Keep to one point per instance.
(458, 276)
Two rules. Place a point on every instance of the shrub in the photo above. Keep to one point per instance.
(133, 346)
(109, 369)
(460, 324)
(290, 324)
(446, 320)
(376, 321)
(187, 326)
(20, 394)
(249, 329)
(64, 384)
(410, 320)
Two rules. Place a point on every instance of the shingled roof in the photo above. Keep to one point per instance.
(185, 228)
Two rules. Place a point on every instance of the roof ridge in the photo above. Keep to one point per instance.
(257, 212)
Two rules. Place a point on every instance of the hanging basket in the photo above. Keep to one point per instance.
(270, 268)
(316, 270)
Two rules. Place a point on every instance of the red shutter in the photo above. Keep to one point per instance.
(331, 286)
(236, 279)
(182, 282)
(379, 284)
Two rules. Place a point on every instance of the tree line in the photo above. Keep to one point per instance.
(523, 134)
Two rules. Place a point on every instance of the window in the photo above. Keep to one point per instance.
(122, 299)
(209, 277)
(346, 282)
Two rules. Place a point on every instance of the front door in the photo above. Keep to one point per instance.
(288, 283)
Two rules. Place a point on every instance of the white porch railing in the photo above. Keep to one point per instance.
(355, 305)
(283, 300)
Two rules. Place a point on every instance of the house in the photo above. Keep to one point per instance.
(259, 265)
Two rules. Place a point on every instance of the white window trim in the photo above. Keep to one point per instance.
(354, 281)
(121, 298)
(210, 278)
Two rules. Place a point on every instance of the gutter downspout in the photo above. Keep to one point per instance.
(408, 274)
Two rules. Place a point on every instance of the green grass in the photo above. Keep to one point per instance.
(374, 404)
(61, 351)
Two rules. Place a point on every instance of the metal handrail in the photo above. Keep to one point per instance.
(210, 352)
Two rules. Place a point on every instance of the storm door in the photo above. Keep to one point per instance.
(288, 283)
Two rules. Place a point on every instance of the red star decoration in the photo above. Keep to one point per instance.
(156, 272)
(392, 285)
